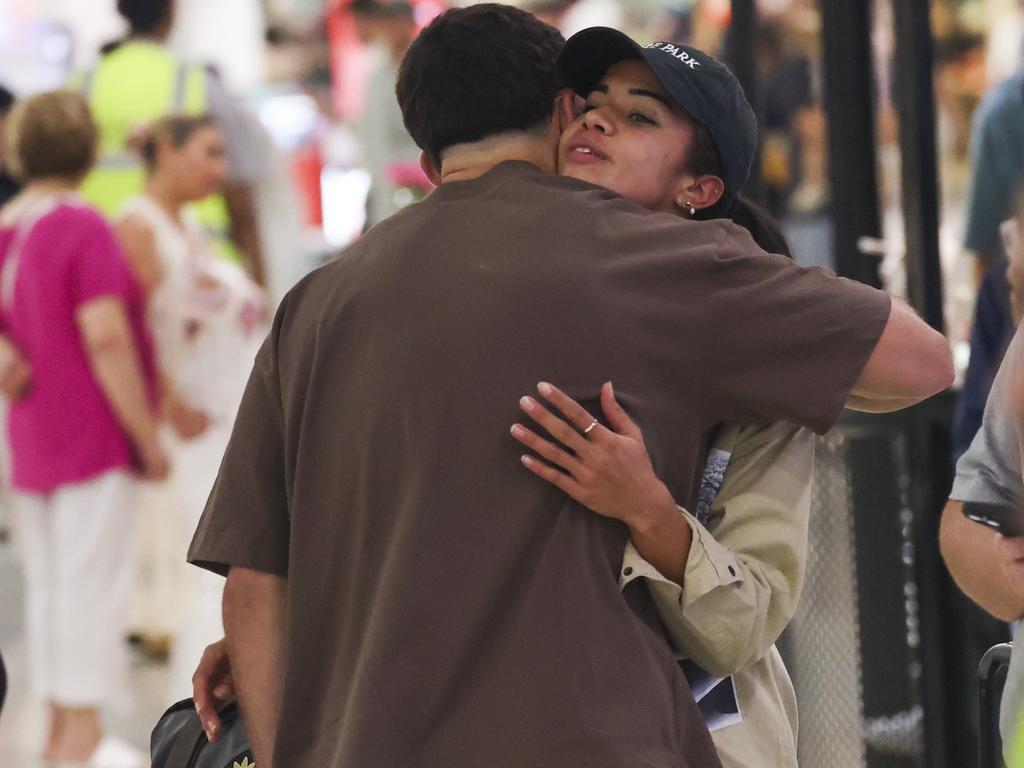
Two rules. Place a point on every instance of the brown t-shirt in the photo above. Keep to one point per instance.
(446, 608)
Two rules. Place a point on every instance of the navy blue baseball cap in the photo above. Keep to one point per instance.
(702, 86)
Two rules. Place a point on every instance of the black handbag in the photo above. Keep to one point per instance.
(178, 741)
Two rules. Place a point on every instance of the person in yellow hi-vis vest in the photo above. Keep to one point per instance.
(138, 81)
(1014, 752)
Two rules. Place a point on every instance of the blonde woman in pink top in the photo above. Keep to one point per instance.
(82, 430)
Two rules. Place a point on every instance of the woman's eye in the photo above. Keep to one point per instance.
(636, 117)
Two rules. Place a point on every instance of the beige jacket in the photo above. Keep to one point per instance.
(742, 584)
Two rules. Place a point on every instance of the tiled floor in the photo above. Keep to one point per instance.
(22, 721)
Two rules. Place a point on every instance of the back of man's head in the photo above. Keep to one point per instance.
(477, 72)
(147, 17)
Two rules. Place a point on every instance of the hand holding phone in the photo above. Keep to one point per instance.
(1004, 518)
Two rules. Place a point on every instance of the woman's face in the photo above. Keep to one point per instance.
(631, 139)
(199, 165)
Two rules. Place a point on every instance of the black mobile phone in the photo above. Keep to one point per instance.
(1005, 518)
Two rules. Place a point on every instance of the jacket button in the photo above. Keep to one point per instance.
(732, 571)
(627, 572)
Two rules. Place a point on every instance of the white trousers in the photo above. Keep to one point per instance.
(195, 466)
(78, 551)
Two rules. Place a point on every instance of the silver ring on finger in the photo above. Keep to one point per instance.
(589, 429)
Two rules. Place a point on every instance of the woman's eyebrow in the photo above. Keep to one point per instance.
(651, 95)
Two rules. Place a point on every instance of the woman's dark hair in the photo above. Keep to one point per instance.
(145, 16)
(476, 72)
(705, 159)
(762, 227)
(177, 129)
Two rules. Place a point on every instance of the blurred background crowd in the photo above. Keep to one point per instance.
(305, 149)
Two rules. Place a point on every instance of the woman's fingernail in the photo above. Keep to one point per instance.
(526, 402)
(526, 460)
(211, 727)
(517, 430)
(544, 388)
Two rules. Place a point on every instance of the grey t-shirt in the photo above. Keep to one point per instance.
(991, 471)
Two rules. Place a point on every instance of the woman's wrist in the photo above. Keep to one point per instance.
(652, 514)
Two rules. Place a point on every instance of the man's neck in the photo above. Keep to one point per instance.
(470, 161)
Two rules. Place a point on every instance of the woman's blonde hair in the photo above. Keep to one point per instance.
(51, 135)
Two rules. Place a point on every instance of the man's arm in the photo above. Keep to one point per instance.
(911, 362)
(980, 563)
(254, 617)
(111, 352)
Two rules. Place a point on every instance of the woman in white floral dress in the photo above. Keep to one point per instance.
(208, 319)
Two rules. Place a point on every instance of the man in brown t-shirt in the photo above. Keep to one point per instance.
(400, 592)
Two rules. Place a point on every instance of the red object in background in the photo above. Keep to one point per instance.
(306, 166)
(350, 66)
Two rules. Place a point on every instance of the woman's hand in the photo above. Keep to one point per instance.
(189, 423)
(154, 466)
(15, 373)
(607, 472)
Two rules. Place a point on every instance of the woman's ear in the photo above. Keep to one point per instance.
(434, 174)
(700, 193)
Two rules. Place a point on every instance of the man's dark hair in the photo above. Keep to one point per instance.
(144, 16)
(476, 72)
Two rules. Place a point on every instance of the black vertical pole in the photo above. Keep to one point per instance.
(915, 97)
(743, 58)
(849, 106)
(949, 716)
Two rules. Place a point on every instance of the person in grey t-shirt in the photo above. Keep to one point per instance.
(986, 565)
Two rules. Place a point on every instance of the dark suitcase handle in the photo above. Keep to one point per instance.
(991, 681)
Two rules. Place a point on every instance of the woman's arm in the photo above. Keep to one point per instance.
(745, 570)
(723, 600)
(115, 363)
(139, 247)
(15, 373)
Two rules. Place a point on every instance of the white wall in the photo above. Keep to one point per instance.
(228, 33)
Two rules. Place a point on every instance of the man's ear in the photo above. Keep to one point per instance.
(700, 192)
(432, 173)
(565, 109)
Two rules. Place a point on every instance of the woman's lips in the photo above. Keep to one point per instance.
(586, 154)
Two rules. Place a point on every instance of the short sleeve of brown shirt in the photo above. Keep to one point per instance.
(246, 521)
(771, 328)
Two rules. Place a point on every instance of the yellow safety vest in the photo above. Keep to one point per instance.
(1015, 754)
(139, 83)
